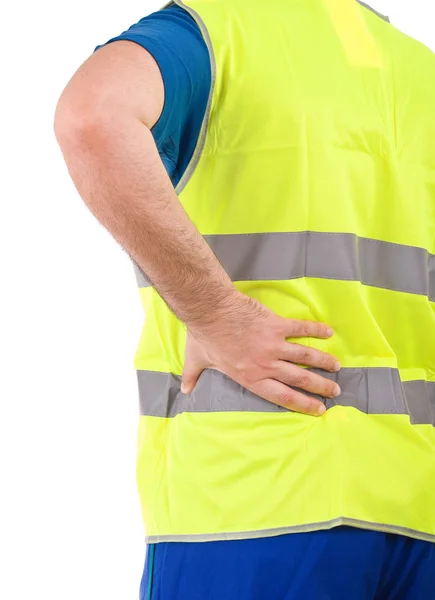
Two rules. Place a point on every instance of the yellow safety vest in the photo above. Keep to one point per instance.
(314, 183)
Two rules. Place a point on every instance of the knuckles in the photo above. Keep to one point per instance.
(287, 400)
(250, 372)
(246, 373)
(301, 380)
(306, 356)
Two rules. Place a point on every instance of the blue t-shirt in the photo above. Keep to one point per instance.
(174, 40)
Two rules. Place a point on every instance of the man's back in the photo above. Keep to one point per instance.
(300, 182)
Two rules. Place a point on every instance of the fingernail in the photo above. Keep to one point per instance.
(337, 366)
(337, 392)
(321, 409)
(330, 332)
(183, 389)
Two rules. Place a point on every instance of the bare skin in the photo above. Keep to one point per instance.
(102, 124)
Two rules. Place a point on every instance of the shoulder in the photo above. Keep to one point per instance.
(168, 34)
(174, 40)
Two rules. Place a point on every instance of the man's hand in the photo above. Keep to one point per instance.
(248, 343)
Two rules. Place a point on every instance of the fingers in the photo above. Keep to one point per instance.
(305, 380)
(294, 328)
(278, 393)
(310, 357)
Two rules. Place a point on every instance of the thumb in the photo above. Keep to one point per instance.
(194, 364)
(190, 376)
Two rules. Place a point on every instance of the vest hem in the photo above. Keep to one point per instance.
(320, 526)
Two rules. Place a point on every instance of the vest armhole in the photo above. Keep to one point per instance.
(380, 15)
(193, 163)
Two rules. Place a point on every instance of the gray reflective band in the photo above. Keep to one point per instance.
(263, 533)
(339, 256)
(370, 390)
(141, 279)
(385, 18)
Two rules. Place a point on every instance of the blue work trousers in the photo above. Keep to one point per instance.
(343, 563)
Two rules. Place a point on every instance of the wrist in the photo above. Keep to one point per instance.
(218, 305)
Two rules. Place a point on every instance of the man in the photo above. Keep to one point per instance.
(287, 363)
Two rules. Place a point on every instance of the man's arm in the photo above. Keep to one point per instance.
(102, 123)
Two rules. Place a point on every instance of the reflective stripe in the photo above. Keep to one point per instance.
(339, 256)
(384, 17)
(370, 390)
(262, 533)
(141, 279)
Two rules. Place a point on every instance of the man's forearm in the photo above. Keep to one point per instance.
(117, 170)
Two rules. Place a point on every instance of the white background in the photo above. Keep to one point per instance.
(70, 318)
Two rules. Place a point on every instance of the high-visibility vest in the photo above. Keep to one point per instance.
(313, 181)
